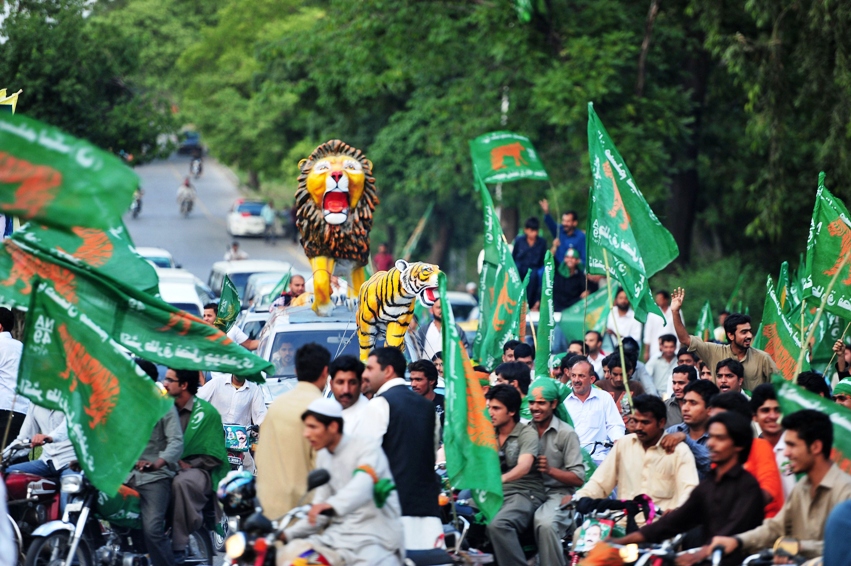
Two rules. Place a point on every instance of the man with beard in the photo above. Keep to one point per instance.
(429, 338)
(729, 376)
(758, 365)
(423, 381)
(296, 290)
(567, 236)
(622, 318)
(560, 464)
(725, 503)
(346, 376)
(284, 359)
(682, 376)
(594, 351)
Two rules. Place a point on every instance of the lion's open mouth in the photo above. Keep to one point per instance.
(429, 295)
(335, 202)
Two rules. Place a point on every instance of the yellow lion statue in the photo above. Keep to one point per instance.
(334, 202)
(386, 303)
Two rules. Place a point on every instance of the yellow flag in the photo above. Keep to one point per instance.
(11, 100)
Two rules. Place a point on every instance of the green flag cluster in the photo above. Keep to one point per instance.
(229, 306)
(546, 319)
(53, 178)
(502, 157)
(500, 290)
(779, 339)
(593, 310)
(69, 363)
(625, 239)
(469, 439)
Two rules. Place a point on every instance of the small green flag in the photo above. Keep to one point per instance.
(598, 310)
(107, 253)
(145, 325)
(280, 287)
(229, 306)
(70, 364)
(546, 319)
(51, 177)
(793, 399)
(500, 290)
(781, 342)
(705, 325)
(782, 291)
(469, 439)
(622, 226)
(502, 157)
(829, 330)
(828, 245)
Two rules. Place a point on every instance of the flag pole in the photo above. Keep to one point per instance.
(624, 375)
(820, 310)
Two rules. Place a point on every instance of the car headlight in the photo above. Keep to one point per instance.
(71, 483)
(235, 546)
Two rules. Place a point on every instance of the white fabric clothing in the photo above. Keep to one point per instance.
(627, 325)
(433, 341)
(661, 371)
(597, 419)
(598, 363)
(376, 417)
(642, 375)
(237, 335)
(357, 521)
(353, 415)
(242, 406)
(10, 358)
(787, 477)
(654, 328)
(53, 424)
(230, 255)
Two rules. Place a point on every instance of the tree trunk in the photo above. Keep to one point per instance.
(440, 244)
(685, 185)
(509, 218)
(253, 180)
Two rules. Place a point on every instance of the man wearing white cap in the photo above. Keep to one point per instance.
(363, 527)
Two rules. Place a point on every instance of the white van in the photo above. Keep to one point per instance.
(240, 270)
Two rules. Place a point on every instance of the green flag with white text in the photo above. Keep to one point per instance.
(229, 306)
(51, 177)
(70, 364)
(705, 324)
(469, 438)
(594, 309)
(621, 225)
(828, 249)
(546, 319)
(502, 157)
(780, 340)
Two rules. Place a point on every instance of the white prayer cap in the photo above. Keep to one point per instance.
(328, 407)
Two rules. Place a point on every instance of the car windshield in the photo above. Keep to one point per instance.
(160, 261)
(462, 312)
(338, 342)
(240, 280)
(252, 208)
(253, 328)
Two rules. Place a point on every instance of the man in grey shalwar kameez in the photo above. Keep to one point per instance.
(365, 528)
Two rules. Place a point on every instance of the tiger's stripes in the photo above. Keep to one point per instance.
(386, 303)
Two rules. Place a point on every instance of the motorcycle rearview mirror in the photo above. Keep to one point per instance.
(317, 478)
(257, 523)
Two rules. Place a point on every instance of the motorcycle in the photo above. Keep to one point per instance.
(238, 441)
(31, 499)
(785, 547)
(136, 206)
(196, 167)
(186, 200)
(103, 530)
(254, 544)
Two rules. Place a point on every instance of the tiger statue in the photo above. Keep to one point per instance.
(386, 303)
(334, 201)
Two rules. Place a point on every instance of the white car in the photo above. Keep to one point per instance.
(244, 218)
(158, 256)
(179, 288)
(240, 270)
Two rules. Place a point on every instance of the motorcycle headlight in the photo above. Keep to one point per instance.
(71, 483)
(235, 546)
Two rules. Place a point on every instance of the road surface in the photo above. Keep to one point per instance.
(201, 239)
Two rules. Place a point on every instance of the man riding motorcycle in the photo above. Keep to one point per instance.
(186, 192)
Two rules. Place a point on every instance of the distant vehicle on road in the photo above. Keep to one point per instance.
(244, 218)
(252, 322)
(257, 290)
(239, 271)
(179, 288)
(464, 306)
(158, 256)
(190, 144)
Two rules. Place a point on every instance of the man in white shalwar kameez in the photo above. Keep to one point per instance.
(365, 527)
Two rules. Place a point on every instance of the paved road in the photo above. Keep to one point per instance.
(202, 239)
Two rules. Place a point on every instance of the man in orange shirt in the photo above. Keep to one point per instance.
(761, 463)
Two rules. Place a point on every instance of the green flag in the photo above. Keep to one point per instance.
(229, 306)
(107, 253)
(51, 177)
(546, 319)
(782, 291)
(597, 314)
(828, 247)
(70, 364)
(145, 325)
(622, 226)
(829, 330)
(502, 157)
(705, 325)
(781, 342)
(469, 439)
(281, 286)
(793, 399)
(500, 290)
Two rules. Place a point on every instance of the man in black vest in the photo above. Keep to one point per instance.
(409, 432)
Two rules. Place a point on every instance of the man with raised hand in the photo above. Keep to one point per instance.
(757, 364)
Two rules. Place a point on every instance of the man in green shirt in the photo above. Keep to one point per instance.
(522, 487)
(758, 365)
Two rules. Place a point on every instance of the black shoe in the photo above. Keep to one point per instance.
(179, 556)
